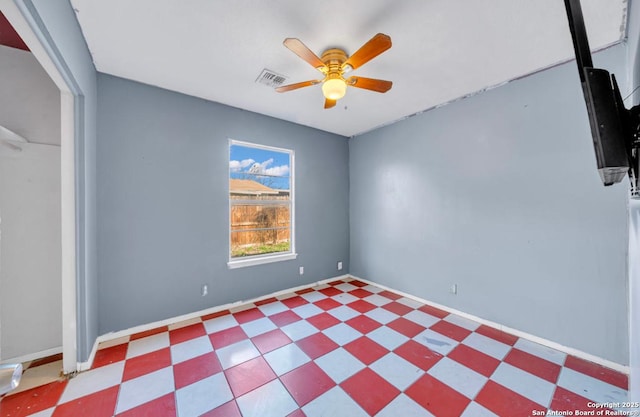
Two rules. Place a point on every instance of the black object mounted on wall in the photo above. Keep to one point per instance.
(615, 130)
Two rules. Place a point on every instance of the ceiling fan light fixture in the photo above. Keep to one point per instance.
(334, 88)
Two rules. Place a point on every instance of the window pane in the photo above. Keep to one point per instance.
(259, 229)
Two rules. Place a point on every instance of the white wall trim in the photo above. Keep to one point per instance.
(33, 356)
(83, 366)
(536, 339)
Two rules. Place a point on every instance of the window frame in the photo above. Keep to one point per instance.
(251, 260)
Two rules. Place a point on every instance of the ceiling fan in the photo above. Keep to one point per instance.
(334, 63)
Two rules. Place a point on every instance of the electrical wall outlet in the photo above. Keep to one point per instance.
(453, 289)
(339, 265)
(205, 290)
(302, 270)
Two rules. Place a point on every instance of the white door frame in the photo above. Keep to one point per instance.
(27, 31)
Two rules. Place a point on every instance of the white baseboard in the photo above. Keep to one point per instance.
(542, 341)
(84, 366)
(34, 356)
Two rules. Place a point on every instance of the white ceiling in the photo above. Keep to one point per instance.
(442, 49)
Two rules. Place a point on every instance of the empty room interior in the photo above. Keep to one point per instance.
(286, 209)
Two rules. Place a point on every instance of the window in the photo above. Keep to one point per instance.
(260, 204)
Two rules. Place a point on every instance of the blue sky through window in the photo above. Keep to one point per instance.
(268, 167)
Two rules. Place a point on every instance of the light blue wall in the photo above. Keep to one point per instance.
(55, 21)
(499, 193)
(163, 206)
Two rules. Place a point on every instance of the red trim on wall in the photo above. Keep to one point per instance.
(8, 35)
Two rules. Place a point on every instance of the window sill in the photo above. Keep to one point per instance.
(241, 263)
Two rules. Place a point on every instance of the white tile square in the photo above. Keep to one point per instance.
(528, 385)
(342, 333)
(220, 323)
(377, 300)
(202, 396)
(313, 296)
(487, 345)
(299, 330)
(422, 318)
(259, 326)
(346, 287)
(148, 344)
(237, 353)
(307, 310)
(93, 381)
(594, 389)
(273, 308)
(462, 379)
(343, 313)
(345, 298)
(144, 389)
(397, 371)
(476, 410)
(387, 337)
(436, 342)
(462, 322)
(544, 352)
(190, 349)
(334, 402)
(44, 413)
(410, 302)
(403, 406)
(269, 400)
(185, 323)
(372, 288)
(286, 358)
(381, 315)
(339, 364)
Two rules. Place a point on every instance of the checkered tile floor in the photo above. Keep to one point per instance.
(341, 349)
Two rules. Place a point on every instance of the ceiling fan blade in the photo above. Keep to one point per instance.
(295, 86)
(297, 47)
(381, 86)
(329, 103)
(374, 47)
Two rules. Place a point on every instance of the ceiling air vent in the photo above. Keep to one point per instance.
(270, 78)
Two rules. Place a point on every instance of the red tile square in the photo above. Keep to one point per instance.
(436, 312)
(186, 333)
(215, 315)
(360, 293)
(399, 309)
(505, 402)
(304, 291)
(249, 375)
(534, 365)
(361, 306)
(98, 404)
(285, 317)
(271, 340)
(297, 413)
(438, 398)
(164, 406)
(327, 304)
(370, 390)
(147, 363)
(500, 336)
(307, 383)
(110, 355)
(363, 324)
(358, 283)
(594, 370)
(390, 295)
(316, 345)
(227, 337)
(266, 301)
(193, 370)
(147, 333)
(366, 350)
(32, 400)
(419, 355)
(451, 330)
(330, 291)
(406, 327)
(323, 321)
(294, 302)
(246, 316)
(336, 282)
(473, 359)
(229, 409)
